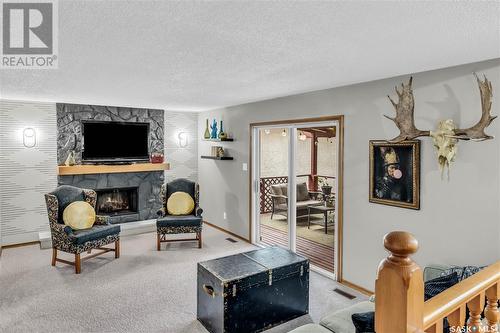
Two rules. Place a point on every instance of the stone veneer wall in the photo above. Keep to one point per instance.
(69, 131)
(69, 137)
(148, 183)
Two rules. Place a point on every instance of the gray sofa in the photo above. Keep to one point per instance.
(338, 321)
(341, 321)
(279, 196)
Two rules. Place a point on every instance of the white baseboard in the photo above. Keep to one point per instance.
(27, 237)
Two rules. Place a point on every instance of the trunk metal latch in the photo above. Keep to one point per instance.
(270, 277)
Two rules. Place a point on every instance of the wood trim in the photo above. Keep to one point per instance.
(340, 201)
(250, 185)
(460, 294)
(96, 169)
(20, 244)
(357, 288)
(297, 121)
(226, 231)
(340, 178)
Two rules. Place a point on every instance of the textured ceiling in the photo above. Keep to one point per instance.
(202, 55)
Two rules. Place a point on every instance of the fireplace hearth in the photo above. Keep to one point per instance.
(117, 201)
(143, 203)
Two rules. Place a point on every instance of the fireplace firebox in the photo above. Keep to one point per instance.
(117, 201)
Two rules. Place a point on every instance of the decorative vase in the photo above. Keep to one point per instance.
(157, 158)
(207, 132)
(222, 134)
(213, 127)
(70, 160)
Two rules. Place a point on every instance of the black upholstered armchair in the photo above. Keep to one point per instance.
(179, 224)
(77, 241)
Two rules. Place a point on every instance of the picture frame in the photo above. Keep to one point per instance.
(395, 173)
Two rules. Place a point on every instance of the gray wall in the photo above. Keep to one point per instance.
(453, 214)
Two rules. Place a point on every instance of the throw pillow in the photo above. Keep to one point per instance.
(302, 192)
(364, 322)
(463, 272)
(180, 203)
(79, 215)
(438, 285)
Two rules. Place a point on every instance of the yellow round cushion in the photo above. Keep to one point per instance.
(180, 203)
(79, 215)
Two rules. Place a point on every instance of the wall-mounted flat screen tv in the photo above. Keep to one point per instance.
(115, 142)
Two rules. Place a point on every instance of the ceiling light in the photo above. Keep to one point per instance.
(283, 133)
(267, 131)
(302, 136)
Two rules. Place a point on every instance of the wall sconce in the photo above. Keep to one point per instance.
(29, 137)
(183, 139)
(302, 136)
(267, 131)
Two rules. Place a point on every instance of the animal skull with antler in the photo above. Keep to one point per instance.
(447, 134)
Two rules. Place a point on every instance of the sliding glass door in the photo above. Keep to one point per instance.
(315, 161)
(294, 173)
(273, 186)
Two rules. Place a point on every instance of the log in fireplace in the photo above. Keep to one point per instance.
(117, 201)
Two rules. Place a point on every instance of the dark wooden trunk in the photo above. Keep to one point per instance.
(252, 291)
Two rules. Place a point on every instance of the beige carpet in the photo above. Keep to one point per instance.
(142, 291)
(316, 233)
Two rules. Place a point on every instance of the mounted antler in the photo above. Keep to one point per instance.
(446, 136)
(476, 132)
(404, 114)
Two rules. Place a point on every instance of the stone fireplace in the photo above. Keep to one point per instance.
(124, 197)
(117, 201)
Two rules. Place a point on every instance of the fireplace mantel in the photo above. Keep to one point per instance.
(97, 169)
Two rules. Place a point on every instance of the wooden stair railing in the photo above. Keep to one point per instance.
(399, 295)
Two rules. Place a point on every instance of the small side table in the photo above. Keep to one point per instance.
(319, 209)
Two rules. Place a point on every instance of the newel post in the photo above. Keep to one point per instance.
(399, 288)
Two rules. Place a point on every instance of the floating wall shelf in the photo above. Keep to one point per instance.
(88, 169)
(224, 158)
(220, 140)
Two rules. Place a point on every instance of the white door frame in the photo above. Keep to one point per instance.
(292, 181)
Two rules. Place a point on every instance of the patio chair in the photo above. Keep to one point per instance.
(304, 198)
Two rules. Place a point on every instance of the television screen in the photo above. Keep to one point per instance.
(114, 141)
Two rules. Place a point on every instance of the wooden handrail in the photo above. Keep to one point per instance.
(451, 299)
(399, 289)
